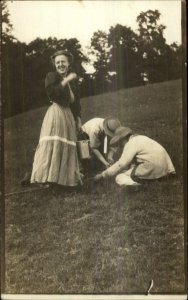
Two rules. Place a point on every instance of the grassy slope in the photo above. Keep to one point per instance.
(101, 240)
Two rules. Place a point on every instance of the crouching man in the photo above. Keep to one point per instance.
(100, 132)
(142, 159)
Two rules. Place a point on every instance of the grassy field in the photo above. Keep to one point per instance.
(100, 239)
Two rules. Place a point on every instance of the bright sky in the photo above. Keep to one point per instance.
(79, 19)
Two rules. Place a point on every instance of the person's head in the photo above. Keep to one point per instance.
(110, 125)
(121, 136)
(62, 61)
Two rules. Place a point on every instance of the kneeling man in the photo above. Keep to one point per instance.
(142, 159)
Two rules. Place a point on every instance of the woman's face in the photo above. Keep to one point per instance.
(61, 64)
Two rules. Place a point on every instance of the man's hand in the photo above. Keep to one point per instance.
(107, 164)
(101, 158)
(97, 177)
(110, 161)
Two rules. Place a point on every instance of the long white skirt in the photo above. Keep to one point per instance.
(56, 157)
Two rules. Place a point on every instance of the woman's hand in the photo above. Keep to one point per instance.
(68, 78)
(72, 76)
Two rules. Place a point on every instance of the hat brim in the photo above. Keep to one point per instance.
(118, 138)
(106, 130)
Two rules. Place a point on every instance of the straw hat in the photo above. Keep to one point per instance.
(120, 133)
(110, 125)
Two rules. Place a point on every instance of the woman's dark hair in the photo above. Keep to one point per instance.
(62, 52)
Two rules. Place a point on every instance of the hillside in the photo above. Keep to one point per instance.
(98, 240)
(152, 110)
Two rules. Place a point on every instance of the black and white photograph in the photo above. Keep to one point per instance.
(93, 150)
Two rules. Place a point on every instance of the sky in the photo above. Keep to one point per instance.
(79, 19)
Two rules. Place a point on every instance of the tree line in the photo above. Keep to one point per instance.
(122, 58)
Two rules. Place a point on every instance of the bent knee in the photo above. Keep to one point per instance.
(120, 179)
(124, 179)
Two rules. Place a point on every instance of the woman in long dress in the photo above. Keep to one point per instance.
(56, 159)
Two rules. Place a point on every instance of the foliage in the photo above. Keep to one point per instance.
(124, 55)
(13, 79)
(25, 67)
(136, 58)
(122, 58)
(100, 48)
(159, 60)
(6, 24)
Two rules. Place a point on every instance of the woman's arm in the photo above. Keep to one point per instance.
(54, 90)
(58, 90)
(68, 79)
(78, 123)
(75, 106)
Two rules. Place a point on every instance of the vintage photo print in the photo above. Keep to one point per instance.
(93, 142)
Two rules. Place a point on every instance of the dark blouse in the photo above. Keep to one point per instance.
(61, 95)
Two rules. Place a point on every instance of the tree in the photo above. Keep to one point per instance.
(123, 44)
(159, 60)
(100, 49)
(39, 63)
(12, 67)
(6, 25)
(42, 49)
(152, 45)
(116, 55)
(13, 79)
(25, 68)
(173, 59)
(178, 54)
